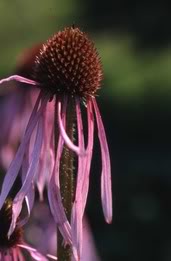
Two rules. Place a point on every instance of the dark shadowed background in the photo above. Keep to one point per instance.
(134, 41)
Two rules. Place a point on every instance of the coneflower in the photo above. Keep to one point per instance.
(11, 247)
(68, 73)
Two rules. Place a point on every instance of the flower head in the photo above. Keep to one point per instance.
(69, 64)
(68, 68)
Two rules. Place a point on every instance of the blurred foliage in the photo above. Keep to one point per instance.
(130, 73)
(23, 23)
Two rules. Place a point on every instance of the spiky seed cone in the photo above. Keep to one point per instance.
(5, 221)
(69, 63)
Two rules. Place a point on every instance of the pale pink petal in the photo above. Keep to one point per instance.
(89, 252)
(46, 162)
(40, 177)
(20, 256)
(46, 168)
(89, 151)
(76, 215)
(106, 190)
(84, 164)
(19, 79)
(58, 212)
(55, 199)
(18, 200)
(52, 257)
(63, 133)
(33, 252)
(15, 254)
(54, 195)
(30, 196)
(76, 229)
(82, 187)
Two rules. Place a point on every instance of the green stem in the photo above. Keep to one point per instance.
(67, 181)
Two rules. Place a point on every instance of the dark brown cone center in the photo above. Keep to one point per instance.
(69, 64)
(5, 221)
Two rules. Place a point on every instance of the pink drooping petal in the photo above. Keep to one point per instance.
(46, 169)
(19, 254)
(46, 162)
(40, 177)
(106, 188)
(89, 252)
(18, 200)
(77, 215)
(14, 256)
(63, 133)
(29, 199)
(19, 79)
(76, 229)
(33, 252)
(89, 151)
(55, 199)
(17, 161)
(57, 210)
(82, 188)
(52, 257)
(30, 196)
(54, 195)
(84, 164)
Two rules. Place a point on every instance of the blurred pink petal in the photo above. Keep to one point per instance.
(106, 188)
(42, 226)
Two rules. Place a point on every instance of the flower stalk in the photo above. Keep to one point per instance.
(67, 180)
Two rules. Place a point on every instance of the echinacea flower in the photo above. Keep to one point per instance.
(11, 247)
(67, 70)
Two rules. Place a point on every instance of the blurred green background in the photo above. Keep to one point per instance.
(133, 39)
